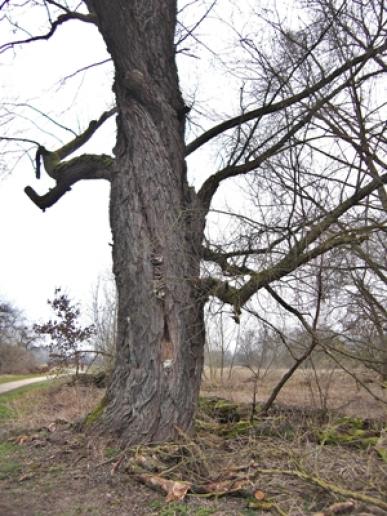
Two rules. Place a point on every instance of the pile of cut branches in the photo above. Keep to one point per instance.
(231, 458)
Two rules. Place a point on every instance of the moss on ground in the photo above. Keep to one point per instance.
(95, 414)
(9, 466)
(111, 452)
(355, 432)
(233, 430)
(222, 410)
(178, 509)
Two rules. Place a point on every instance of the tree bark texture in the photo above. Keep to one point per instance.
(156, 231)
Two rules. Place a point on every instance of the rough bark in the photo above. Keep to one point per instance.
(156, 232)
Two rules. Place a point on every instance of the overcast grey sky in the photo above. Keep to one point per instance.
(68, 246)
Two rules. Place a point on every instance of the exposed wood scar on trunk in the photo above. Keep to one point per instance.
(166, 347)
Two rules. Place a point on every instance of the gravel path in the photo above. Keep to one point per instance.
(10, 386)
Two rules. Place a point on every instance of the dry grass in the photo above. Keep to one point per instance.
(61, 402)
(326, 389)
(278, 455)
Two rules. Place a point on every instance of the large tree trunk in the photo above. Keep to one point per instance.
(156, 233)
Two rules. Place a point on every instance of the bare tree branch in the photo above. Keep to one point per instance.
(88, 166)
(67, 173)
(279, 106)
(211, 184)
(85, 69)
(51, 159)
(298, 255)
(87, 18)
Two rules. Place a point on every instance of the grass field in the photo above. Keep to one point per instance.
(324, 389)
(11, 403)
(40, 403)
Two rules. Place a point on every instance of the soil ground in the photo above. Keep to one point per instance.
(291, 462)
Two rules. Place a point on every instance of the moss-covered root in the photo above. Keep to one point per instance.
(95, 414)
(350, 431)
(381, 445)
(223, 411)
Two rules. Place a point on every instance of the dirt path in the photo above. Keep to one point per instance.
(10, 386)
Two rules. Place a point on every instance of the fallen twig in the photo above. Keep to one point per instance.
(326, 485)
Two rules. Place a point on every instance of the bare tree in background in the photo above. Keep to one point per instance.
(104, 319)
(9, 323)
(14, 329)
(257, 352)
(222, 342)
(364, 296)
(315, 179)
(16, 337)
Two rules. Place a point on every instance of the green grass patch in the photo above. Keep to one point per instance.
(9, 466)
(5, 378)
(179, 509)
(110, 453)
(7, 398)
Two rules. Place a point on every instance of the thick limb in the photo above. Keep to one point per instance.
(67, 173)
(88, 166)
(297, 256)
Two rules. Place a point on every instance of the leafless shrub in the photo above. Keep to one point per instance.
(16, 360)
